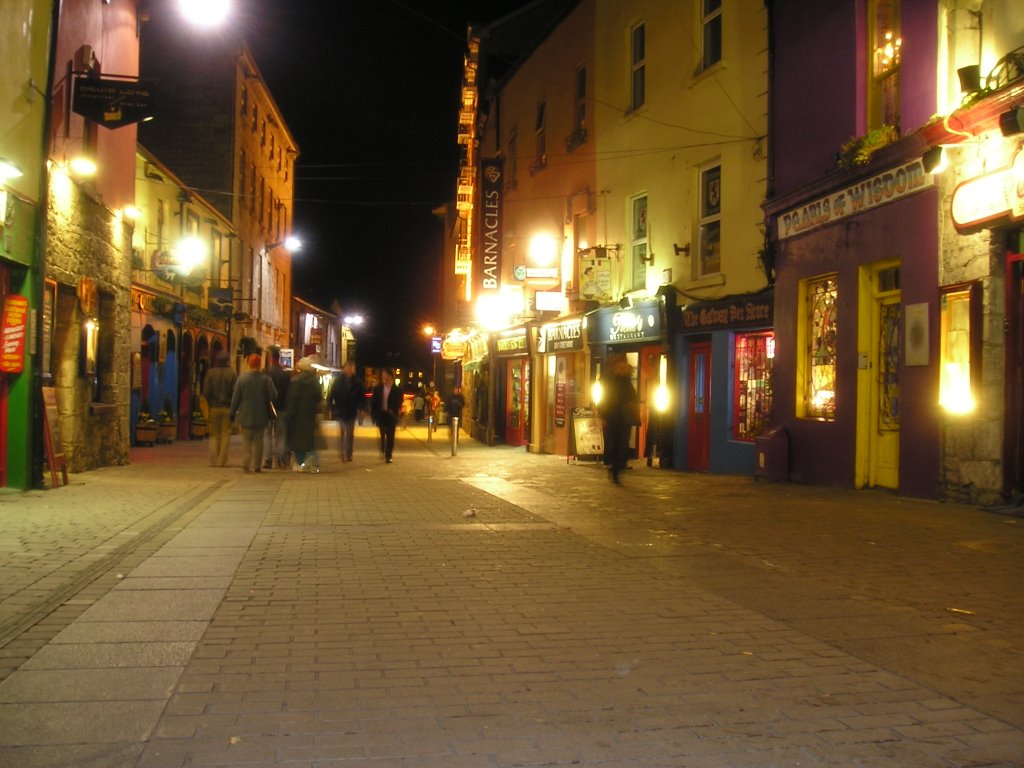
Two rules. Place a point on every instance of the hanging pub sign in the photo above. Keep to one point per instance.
(990, 197)
(491, 224)
(13, 332)
(113, 103)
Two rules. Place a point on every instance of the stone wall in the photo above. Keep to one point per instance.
(972, 470)
(86, 239)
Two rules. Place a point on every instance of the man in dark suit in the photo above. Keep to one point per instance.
(386, 406)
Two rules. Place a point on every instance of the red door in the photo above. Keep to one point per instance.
(518, 398)
(700, 406)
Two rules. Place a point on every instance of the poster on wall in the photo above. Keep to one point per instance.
(13, 333)
(595, 278)
(287, 359)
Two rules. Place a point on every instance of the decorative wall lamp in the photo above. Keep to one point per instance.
(681, 249)
(970, 78)
(934, 160)
(9, 170)
(1012, 122)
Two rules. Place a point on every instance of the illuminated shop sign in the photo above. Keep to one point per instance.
(990, 197)
(737, 313)
(887, 187)
(641, 322)
(561, 337)
(511, 343)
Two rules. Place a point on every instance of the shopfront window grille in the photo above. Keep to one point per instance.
(752, 391)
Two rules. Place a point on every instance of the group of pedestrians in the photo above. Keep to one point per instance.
(277, 414)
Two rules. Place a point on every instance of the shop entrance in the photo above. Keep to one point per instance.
(1014, 429)
(517, 385)
(878, 438)
(700, 406)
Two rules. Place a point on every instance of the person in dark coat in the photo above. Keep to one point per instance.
(386, 407)
(619, 410)
(250, 404)
(303, 404)
(274, 448)
(456, 402)
(346, 399)
(218, 387)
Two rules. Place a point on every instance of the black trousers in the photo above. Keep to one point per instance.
(386, 425)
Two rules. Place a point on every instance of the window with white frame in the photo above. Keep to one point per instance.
(540, 155)
(638, 242)
(711, 21)
(709, 259)
(638, 48)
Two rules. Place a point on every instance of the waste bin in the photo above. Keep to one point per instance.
(771, 455)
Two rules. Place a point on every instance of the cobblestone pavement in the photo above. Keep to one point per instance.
(498, 608)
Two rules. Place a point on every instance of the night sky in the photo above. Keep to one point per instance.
(370, 92)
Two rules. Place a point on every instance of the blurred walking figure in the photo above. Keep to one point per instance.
(456, 402)
(386, 406)
(620, 411)
(304, 398)
(250, 403)
(346, 399)
(274, 447)
(218, 387)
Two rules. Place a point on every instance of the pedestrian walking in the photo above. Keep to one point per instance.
(620, 412)
(347, 397)
(251, 401)
(304, 399)
(419, 403)
(456, 402)
(218, 388)
(386, 407)
(274, 440)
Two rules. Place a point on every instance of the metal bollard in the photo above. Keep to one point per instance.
(430, 429)
(455, 435)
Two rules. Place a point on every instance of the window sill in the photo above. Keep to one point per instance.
(703, 74)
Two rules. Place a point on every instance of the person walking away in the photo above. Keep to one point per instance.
(346, 399)
(418, 405)
(250, 405)
(386, 406)
(456, 402)
(620, 410)
(274, 442)
(218, 387)
(303, 404)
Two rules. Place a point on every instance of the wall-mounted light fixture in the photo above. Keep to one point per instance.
(1012, 122)
(9, 170)
(970, 78)
(681, 249)
(934, 160)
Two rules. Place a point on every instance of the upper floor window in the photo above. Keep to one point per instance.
(712, 23)
(638, 242)
(886, 43)
(710, 258)
(639, 66)
(540, 129)
(511, 159)
(580, 115)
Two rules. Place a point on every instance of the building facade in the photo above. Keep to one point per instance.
(221, 132)
(25, 29)
(894, 296)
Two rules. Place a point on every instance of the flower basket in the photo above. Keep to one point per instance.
(145, 433)
(198, 428)
(166, 428)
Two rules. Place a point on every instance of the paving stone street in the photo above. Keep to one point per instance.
(497, 608)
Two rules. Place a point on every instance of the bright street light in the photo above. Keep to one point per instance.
(204, 13)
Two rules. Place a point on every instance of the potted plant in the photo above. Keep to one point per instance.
(145, 426)
(166, 429)
(198, 427)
